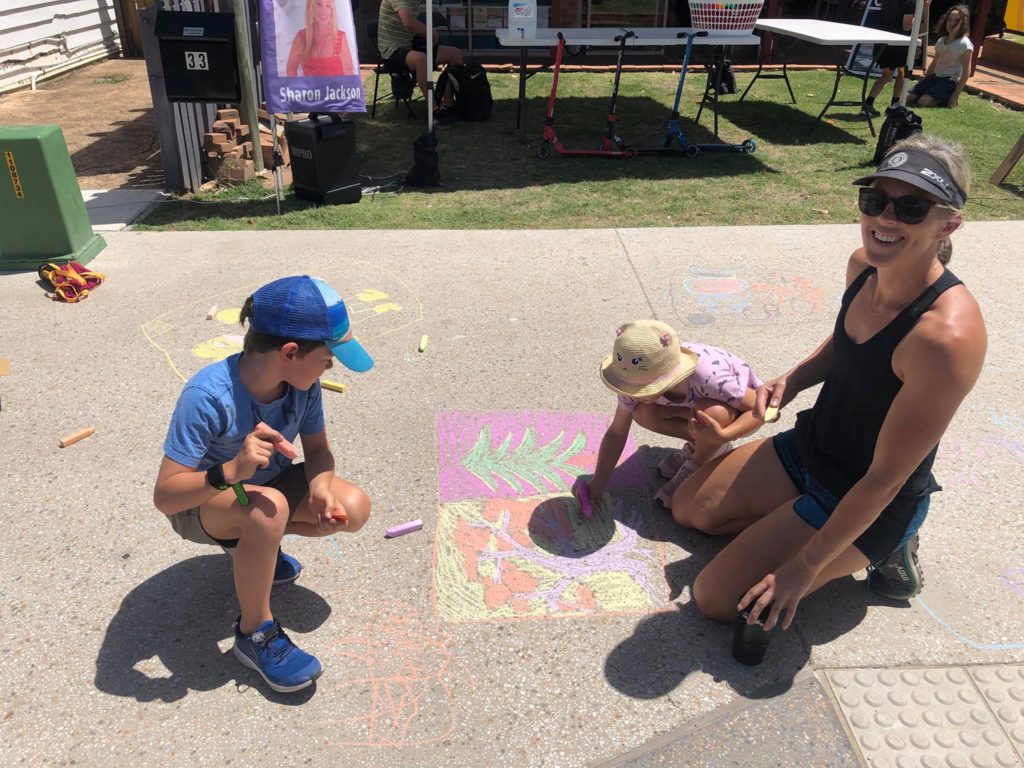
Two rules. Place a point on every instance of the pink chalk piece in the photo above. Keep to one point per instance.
(286, 449)
(404, 528)
(582, 493)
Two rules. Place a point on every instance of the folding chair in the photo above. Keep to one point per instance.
(403, 84)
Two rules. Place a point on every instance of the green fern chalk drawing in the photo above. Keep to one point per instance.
(526, 462)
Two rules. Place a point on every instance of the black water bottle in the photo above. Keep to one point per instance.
(750, 641)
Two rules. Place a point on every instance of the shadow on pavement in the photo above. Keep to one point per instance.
(178, 616)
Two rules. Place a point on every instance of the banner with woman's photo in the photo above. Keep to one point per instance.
(310, 61)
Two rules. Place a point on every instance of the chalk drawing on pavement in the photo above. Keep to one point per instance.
(511, 542)
(704, 297)
(394, 679)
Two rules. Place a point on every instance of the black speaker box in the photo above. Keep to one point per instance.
(323, 154)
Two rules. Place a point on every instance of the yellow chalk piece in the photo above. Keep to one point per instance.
(229, 316)
(371, 295)
(771, 414)
(5, 366)
(334, 386)
(423, 342)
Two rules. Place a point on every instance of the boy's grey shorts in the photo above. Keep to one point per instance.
(292, 483)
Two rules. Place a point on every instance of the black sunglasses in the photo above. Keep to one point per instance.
(910, 209)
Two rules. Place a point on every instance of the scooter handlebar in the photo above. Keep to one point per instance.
(699, 33)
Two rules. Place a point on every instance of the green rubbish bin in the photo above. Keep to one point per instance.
(42, 216)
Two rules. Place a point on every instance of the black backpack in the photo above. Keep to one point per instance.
(472, 92)
(899, 124)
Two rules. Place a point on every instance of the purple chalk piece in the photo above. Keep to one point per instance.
(582, 494)
(399, 530)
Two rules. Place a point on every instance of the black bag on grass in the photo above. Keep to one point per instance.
(424, 171)
(472, 91)
(899, 124)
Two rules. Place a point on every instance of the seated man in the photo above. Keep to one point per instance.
(401, 38)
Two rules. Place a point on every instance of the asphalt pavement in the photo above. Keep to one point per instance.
(509, 631)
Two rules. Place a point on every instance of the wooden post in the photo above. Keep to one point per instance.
(247, 78)
(978, 33)
(170, 159)
(1008, 162)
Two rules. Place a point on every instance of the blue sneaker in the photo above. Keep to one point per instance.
(287, 569)
(280, 662)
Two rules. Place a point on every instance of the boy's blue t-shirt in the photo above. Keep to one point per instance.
(215, 412)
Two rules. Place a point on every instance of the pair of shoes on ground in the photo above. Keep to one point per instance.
(268, 650)
(683, 459)
(286, 570)
(898, 576)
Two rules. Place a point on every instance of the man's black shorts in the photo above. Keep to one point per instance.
(396, 61)
(893, 57)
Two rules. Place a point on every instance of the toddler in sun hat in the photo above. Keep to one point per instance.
(696, 393)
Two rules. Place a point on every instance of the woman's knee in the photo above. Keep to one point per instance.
(710, 601)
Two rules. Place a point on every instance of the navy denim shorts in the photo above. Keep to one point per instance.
(816, 503)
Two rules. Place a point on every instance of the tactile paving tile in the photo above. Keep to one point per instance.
(1003, 689)
(921, 718)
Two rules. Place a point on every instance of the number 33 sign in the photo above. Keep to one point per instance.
(196, 60)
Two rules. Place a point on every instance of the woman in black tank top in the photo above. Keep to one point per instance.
(847, 487)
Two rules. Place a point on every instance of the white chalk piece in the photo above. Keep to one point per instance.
(771, 414)
(423, 342)
(212, 313)
(399, 530)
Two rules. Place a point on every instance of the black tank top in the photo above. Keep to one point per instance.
(836, 438)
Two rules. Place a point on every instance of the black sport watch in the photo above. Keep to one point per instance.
(215, 477)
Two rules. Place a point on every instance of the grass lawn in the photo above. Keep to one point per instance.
(800, 173)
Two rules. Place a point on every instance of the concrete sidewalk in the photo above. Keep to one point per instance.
(509, 632)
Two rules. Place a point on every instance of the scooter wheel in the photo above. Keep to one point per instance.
(544, 151)
(632, 153)
(692, 150)
(749, 145)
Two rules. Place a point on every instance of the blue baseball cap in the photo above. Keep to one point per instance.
(306, 308)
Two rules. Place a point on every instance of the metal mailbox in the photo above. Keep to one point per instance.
(197, 52)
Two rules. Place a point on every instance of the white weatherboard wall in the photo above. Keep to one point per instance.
(44, 38)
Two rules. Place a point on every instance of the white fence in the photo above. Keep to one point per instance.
(44, 38)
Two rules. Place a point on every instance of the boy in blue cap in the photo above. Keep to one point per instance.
(227, 477)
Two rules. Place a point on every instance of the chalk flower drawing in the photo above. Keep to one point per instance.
(535, 466)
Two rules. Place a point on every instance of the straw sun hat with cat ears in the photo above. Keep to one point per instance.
(646, 360)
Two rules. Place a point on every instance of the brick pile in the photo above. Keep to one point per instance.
(228, 148)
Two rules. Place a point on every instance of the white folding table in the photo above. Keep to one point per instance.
(644, 37)
(833, 34)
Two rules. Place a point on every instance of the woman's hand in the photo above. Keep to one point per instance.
(772, 394)
(953, 100)
(783, 590)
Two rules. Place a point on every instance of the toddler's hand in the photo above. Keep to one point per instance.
(581, 491)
